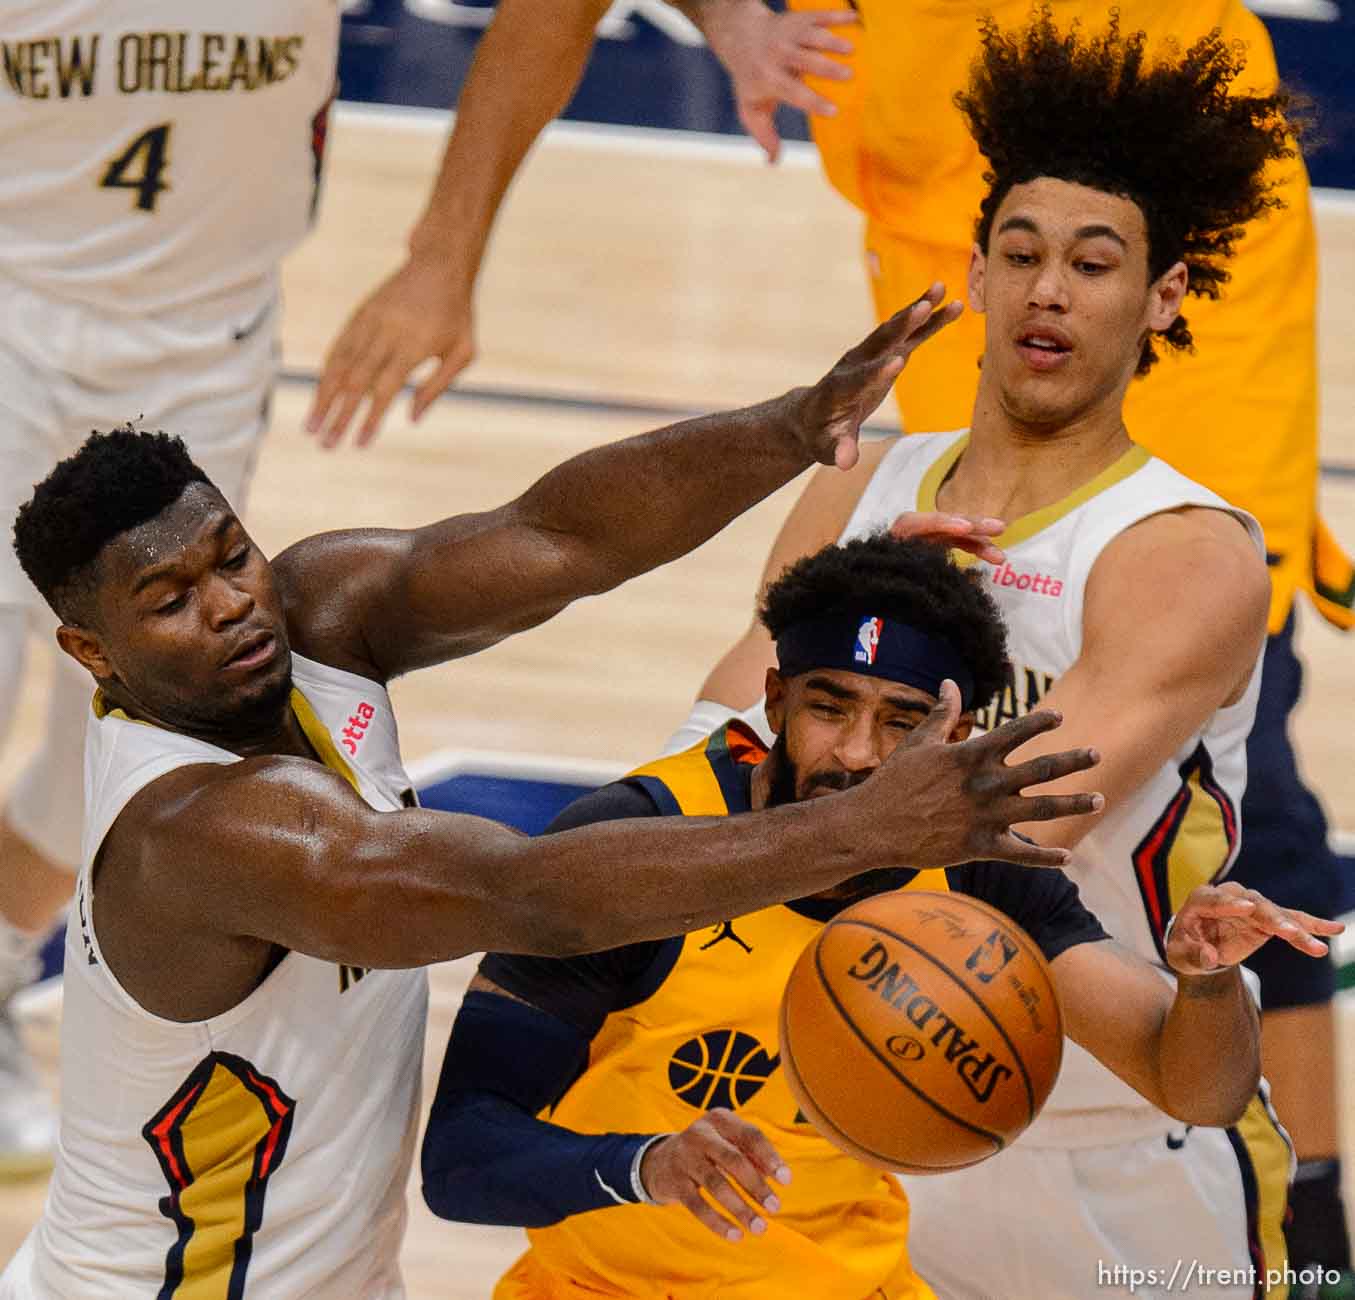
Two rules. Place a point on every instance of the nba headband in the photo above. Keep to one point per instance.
(877, 647)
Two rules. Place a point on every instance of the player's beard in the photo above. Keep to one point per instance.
(785, 779)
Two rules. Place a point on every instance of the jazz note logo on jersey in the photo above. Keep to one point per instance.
(868, 640)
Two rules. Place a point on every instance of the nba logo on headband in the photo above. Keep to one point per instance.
(868, 640)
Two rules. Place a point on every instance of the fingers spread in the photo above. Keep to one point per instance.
(1012, 735)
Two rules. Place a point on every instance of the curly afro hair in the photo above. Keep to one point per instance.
(115, 482)
(916, 583)
(1167, 135)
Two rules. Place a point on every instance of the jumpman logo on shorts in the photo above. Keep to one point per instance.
(725, 930)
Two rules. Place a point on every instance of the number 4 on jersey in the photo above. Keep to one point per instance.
(141, 167)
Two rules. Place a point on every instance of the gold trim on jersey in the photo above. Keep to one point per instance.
(314, 730)
(321, 741)
(1190, 843)
(1266, 1158)
(1027, 526)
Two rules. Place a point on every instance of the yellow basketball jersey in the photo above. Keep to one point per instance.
(1240, 413)
(708, 1038)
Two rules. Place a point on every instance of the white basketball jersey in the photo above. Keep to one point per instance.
(159, 153)
(1181, 828)
(263, 1152)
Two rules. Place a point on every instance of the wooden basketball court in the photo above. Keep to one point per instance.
(633, 277)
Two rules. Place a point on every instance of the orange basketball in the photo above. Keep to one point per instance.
(921, 1031)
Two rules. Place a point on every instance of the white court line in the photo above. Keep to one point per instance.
(447, 763)
(661, 142)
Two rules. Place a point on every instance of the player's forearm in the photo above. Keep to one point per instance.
(630, 506)
(1209, 1050)
(486, 1157)
(487, 1161)
(422, 886)
(525, 69)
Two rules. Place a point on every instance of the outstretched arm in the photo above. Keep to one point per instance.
(524, 71)
(283, 852)
(1195, 1053)
(409, 599)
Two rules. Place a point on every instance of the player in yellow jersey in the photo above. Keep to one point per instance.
(669, 1158)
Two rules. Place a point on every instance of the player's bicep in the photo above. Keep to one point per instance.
(265, 849)
(1158, 657)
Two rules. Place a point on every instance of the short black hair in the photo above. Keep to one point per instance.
(1167, 135)
(115, 482)
(916, 583)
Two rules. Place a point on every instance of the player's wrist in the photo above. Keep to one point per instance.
(1188, 974)
(637, 1181)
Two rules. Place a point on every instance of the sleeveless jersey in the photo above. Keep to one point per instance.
(1180, 829)
(160, 155)
(708, 1037)
(264, 1151)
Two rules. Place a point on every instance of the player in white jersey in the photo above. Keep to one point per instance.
(1135, 601)
(242, 1041)
(160, 160)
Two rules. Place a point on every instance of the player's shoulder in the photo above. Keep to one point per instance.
(616, 801)
(182, 815)
(1192, 543)
(327, 582)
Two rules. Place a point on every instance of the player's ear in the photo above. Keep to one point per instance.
(978, 264)
(964, 724)
(85, 648)
(775, 687)
(1165, 296)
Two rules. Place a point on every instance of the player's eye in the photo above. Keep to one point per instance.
(237, 561)
(172, 606)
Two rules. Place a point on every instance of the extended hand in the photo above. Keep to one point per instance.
(1221, 925)
(938, 803)
(766, 54)
(972, 533)
(831, 413)
(716, 1154)
(423, 310)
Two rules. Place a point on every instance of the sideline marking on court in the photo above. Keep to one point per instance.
(664, 142)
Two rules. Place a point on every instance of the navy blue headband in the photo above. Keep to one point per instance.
(877, 647)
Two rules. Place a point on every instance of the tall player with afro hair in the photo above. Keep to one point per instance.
(1136, 602)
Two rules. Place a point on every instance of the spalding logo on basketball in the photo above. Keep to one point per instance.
(724, 1067)
(921, 1031)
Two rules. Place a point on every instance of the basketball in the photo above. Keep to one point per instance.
(920, 1031)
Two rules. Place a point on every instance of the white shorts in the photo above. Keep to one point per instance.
(205, 373)
(1195, 1212)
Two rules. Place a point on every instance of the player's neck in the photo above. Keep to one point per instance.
(281, 735)
(1010, 469)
